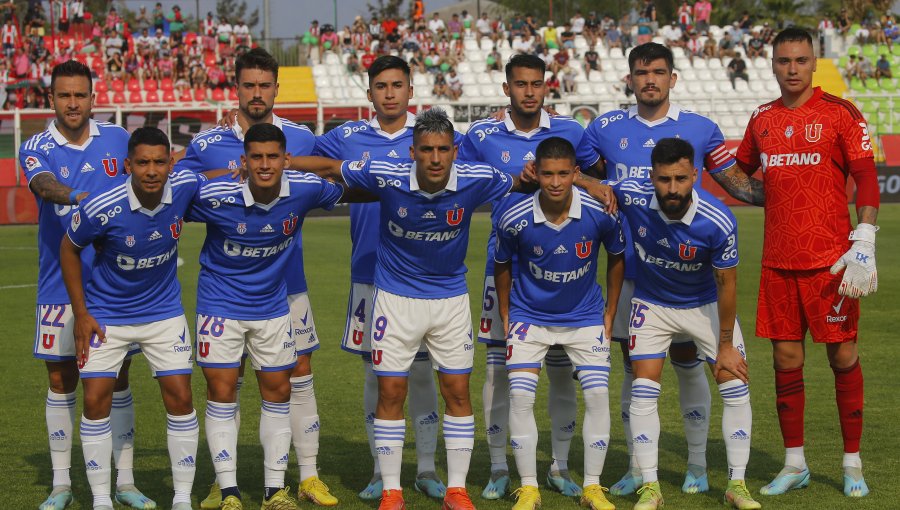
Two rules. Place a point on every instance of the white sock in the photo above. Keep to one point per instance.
(562, 405)
(237, 402)
(625, 406)
(370, 401)
(523, 432)
(595, 430)
(495, 397)
(794, 457)
(645, 426)
(60, 416)
(96, 444)
(737, 423)
(275, 437)
(852, 460)
(183, 435)
(121, 418)
(221, 436)
(459, 437)
(389, 438)
(423, 410)
(305, 425)
(696, 401)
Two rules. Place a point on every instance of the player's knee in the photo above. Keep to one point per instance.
(219, 390)
(97, 404)
(787, 355)
(842, 355)
(63, 377)
(303, 366)
(391, 392)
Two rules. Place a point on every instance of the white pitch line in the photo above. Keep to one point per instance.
(23, 248)
(25, 286)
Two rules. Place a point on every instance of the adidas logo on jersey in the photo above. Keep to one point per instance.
(649, 143)
(87, 168)
(560, 250)
(155, 235)
(663, 242)
(529, 156)
(429, 215)
(267, 229)
(393, 154)
(384, 450)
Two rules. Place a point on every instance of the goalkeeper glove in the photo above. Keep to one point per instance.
(860, 276)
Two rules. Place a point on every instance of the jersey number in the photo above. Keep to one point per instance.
(57, 321)
(637, 315)
(218, 326)
(378, 334)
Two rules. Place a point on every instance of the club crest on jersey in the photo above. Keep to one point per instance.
(175, 228)
(402, 212)
(538, 250)
(789, 132)
(504, 156)
(232, 164)
(583, 250)
(642, 231)
(365, 156)
(686, 251)
(813, 132)
(32, 162)
(64, 171)
(455, 216)
(111, 166)
(289, 225)
(623, 143)
(241, 228)
(129, 241)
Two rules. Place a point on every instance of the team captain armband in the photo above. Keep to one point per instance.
(866, 178)
(719, 158)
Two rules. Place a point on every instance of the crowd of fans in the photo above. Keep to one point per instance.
(155, 53)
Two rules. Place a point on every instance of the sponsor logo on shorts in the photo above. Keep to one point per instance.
(835, 318)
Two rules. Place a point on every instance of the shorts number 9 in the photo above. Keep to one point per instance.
(380, 326)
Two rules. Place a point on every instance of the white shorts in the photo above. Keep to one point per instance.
(269, 344)
(623, 312)
(490, 329)
(304, 326)
(528, 344)
(357, 335)
(402, 325)
(654, 326)
(54, 338)
(166, 345)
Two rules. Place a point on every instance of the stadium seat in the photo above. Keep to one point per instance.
(218, 94)
(186, 96)
(166, 84)
(118, 86)
(200, 94)
(152, 97)
(102, 98)
(134, 97)
(100, 86)
(168, 96)
(210, 61)
(151, 85)
(134, 85)
(118, 97)
(232, 94)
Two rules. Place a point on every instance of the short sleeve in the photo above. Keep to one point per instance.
(498, 187)
(614, 237)
(748, 152)
(467, 149)
(82, 230)
(191, 160)
(585, 155)
(506, 245)
(717, 156)
(33, 163)
(328, 145)
(198, 209)
(724, 252)
(329, 195)
(357, 175)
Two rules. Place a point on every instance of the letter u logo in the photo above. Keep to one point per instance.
(583, 250)
(289, 225)
(813, 132)
(377, 356)
(686, 252)
(203, 349)
(175, 228)
(455, 216)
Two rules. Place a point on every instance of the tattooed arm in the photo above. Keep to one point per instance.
(48, 188)
(741, 186)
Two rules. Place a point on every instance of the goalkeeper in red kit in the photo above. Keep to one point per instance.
(815, 266)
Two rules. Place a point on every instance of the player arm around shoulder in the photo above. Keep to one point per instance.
(594, 187)
(728, 357)
(85, 324)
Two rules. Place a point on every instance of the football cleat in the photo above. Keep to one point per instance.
(392, 500)
(527, 498)
(373, 491)
(315, 490)
(129, 495)
(651, 497)
(694, 484)
(737, 496)
(59, 498)
(788, 478)
(281, 500)
(231, 503)
(457, 499)
(629, 483)
(497, 486)
(429, 484)
(854, 483)
(561, 482)
(214, 500)
(593, 498)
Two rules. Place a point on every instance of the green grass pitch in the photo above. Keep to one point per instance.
(344, 459)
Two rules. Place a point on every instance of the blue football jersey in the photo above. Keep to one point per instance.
(133, 277)
(424, 237)
(93, 167)
(675, 258)
(625, 140)
(499, 144)
(249, 246)
(557, 277)
(222, 148)
(363, 140)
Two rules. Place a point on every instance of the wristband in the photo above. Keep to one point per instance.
(73, 196)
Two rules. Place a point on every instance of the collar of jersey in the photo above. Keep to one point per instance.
(688, 216)
(248, 195)
(410, 122)
(414, 182)
(544, 124)
(136, 205)
(239, 133)
(62, 140)
(674, 111)
(574, 208)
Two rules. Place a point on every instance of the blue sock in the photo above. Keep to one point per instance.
(270, 491)
(231, 491)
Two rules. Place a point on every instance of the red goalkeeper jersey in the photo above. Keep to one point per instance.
(805, 154)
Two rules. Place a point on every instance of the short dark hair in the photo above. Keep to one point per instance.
(385, 62)
(264, 132)
(68, 69)
(526, 61)
(257, 58)
(792, 34)
(669, 151)
(147, 136)
(648, 52)
(554, 148)
(433, 120)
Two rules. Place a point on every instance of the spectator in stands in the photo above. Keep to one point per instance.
(374, 29)
(440, 86)
(883, 68)
(76, 8)
(483, 29)
(684, 14)
(454, 27)
(132, 67)
(524, 45)
(553, 86)
(702, 14)
(182, 84)
(159, 17)
(114, 21)
(865, 70)
(862, 34)
(224, 32)
(768, 34)
(541, 49)
(878, 35)
(843, 24)
(560, 61)
(649, 12)
(645, 30)
(10, 36)
(410, 43)
(577, 23)
(592, 29)
(327, 42)
(500, 32)
(737, 68)
(531, 26)
(516, 29)
(96, 33)
(208, 26)
(567, 38)
(114, 66)
(215, 77)
(454, 85)
(614, 40)
(851, 68)
(551, 36)
(693, 48)
(494, 61)
(241, 34)
(417, 62)
(393, 40)
(756, 47)
(745, 23)
(605, 25)
(436, 24)
(672, 35)
(625, 25)
(166, 65)
(388, 25)
(113, 43)
(433, 61)
(176, 23)
(568, 80)
(162, 40)
(591, 62)
(891, 32)
(710, 48)
(726, 46)
(824, 25)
